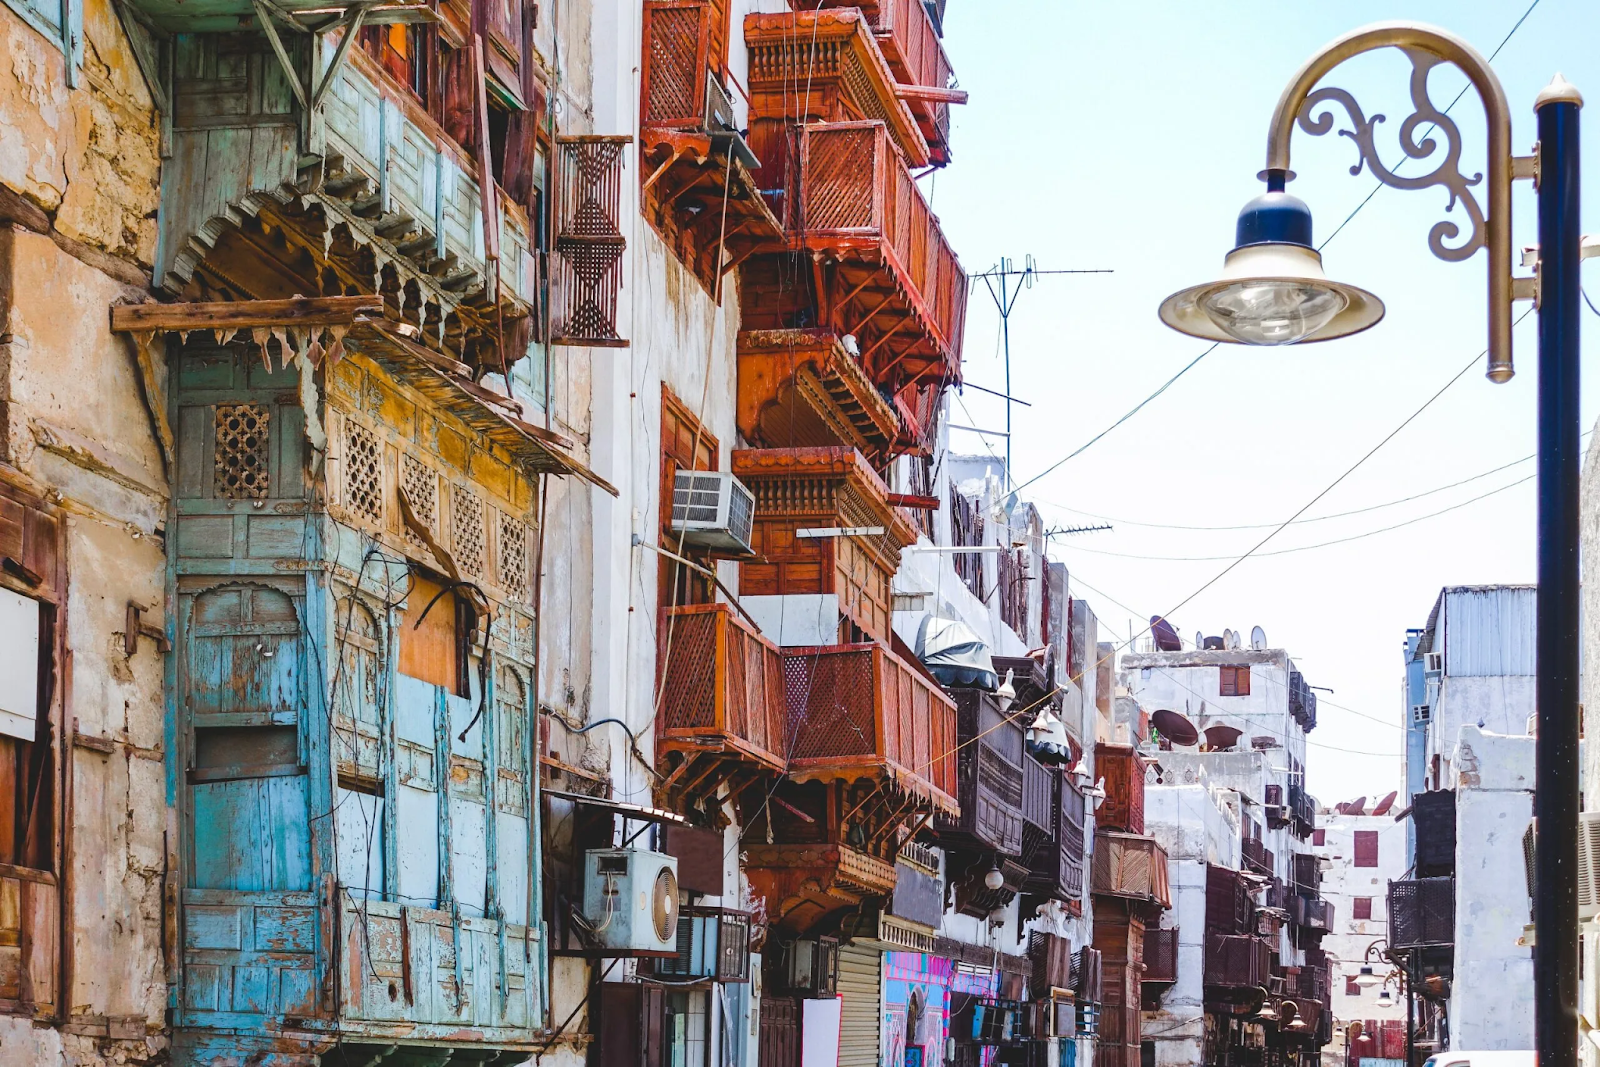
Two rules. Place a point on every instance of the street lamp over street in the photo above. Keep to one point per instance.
(1273, 292)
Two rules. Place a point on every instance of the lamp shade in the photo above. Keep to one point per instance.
(1272, 289)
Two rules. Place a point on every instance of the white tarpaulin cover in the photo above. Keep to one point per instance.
(955, 655)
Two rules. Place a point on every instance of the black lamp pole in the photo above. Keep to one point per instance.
(1555, 905)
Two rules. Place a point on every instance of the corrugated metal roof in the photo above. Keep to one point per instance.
(1488, 630)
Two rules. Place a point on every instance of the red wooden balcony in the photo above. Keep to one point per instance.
(723, 705)
(884, 271)
(800, 488)
(860, 711)
(696, 169)
(806, 884)
(914, 52)
(1124, 773)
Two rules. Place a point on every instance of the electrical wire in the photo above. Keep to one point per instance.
(1320, 544)
(1325, 242)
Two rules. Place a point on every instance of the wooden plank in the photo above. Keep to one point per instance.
(243, 314)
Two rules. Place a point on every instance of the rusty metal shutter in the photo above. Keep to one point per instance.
(861, 987)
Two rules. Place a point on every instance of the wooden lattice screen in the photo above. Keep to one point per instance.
(587, 270)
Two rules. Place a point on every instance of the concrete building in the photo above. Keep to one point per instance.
(1363, 849)
(1226, 727)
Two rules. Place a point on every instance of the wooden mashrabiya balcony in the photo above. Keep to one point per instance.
(801, 388)
(698, 189)
(723, 709)
(922, 70)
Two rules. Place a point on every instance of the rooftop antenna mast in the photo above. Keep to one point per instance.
(1005, 298)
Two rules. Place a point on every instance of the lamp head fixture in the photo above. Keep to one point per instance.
(1366, 976)
(1272, 290)
(1385, 999)
(994, 879)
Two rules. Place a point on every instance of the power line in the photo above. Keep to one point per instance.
(1326, 241)
(1320, 544)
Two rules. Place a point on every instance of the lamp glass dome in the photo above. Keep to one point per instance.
(1365, 976)
(994, 879)
(1272, 311)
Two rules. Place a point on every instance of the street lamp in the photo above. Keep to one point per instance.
(1366, 976)
(1272, 292)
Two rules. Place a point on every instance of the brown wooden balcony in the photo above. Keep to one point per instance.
(1130, 866)
(821, 66)
(915, 54)
(1123, 771)
(860, 711)
(989, 777)
(805, 884)
(1256, 855)
(1055, 864)
(1236, 962)
(883, 270)
(723, 705)
(823, 488)
(1160, 956)
(801, 388)
(699, 188)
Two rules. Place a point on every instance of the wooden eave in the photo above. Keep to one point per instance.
(859, 257)
(776, 367)
(305, 16)
(867, 767)
(783, 94)
(700, 196)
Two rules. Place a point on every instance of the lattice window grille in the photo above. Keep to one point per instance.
(513, 556)
(363, 472)
(422, 490)
(467, 530)
(241, 452)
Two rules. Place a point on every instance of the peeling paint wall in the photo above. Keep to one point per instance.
(79, 176)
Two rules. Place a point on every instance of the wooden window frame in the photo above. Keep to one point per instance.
(1233, 681)
(425, 586)
(1360, 905)
(1362, 839)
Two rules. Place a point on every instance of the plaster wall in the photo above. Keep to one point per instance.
(1491, 1003)
(1342, 883)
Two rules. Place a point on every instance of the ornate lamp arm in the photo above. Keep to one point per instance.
(1426, 46)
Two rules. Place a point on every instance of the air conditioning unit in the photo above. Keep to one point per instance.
(630, 897)
(713, 509)
(1588, 865)
(1421, 713)
(1433, 662)
(712, 943)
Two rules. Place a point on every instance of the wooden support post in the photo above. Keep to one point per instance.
(486, 185)
(230, 316)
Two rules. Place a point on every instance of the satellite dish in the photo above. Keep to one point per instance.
(1231, 638)
(1382, 807)
(1199, 640)
(1258, 638)
(1166, 637)
(1222, 738)
(1174, 727)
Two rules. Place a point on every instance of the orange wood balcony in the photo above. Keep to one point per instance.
(833, 487)
(881, 268)
(698, 188)
(800, 388)
(860, 711)
(910, 44)
(723, 703)
(821, 66)
(805, 884)
(1130, 866)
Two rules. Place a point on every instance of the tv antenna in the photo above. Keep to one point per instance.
(1004, 293)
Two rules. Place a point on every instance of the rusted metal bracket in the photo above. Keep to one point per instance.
(136, 628)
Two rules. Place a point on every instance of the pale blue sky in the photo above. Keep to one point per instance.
(1127, 135)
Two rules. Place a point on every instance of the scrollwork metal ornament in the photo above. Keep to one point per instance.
(1416, 146)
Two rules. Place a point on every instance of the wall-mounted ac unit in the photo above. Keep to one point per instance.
(630, 897)
(812, 966)
(713, 509)
(711, 943)
(1588, 865)
(1421, 713)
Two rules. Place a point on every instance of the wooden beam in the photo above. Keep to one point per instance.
(230, 315)
(931, 92)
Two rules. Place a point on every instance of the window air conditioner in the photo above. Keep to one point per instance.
(712, 943)
(1588, 865)
(630, 897)
(1421, 713)
(713, 509)
(1433, 662)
